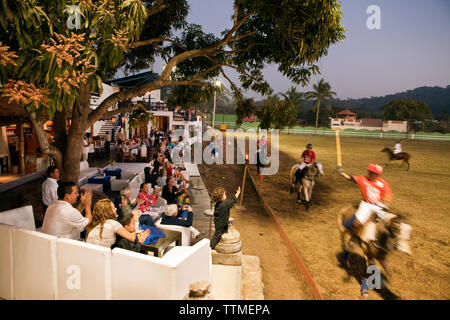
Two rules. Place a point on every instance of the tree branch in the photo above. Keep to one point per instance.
(160, 5)
(151, 41)
(44, 145)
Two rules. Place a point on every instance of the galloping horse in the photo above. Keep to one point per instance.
(399, 156)
(307, 182)
(376, 239)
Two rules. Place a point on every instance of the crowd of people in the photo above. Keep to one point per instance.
(117, 222)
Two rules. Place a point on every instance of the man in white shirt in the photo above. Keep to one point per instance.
(50, 187)
(398, 147)
(62, 219)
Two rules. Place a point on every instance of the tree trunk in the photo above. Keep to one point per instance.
(317, 116)
(72, 154)
(21, 149)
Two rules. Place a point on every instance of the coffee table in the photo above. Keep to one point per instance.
(159, 246)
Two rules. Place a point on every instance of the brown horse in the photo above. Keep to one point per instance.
(389, 235)
(399, 156)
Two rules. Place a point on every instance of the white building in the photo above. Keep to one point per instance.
(348, 120)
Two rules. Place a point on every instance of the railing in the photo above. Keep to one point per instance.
(346, 133)
(114, 129)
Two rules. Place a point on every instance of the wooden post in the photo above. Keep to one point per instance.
(21, 149)
(243, 184)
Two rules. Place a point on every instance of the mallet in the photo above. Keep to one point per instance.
(338, 148)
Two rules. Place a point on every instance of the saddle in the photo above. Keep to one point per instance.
(299, 174)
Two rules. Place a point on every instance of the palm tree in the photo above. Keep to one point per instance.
(321, 93)
(293, 97)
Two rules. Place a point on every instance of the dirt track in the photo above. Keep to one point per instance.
(281, 279)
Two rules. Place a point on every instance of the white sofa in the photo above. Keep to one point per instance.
(86, 172)
(185, 232)
(22, 217)
(125, 178)
(137, 276)
(35, 265)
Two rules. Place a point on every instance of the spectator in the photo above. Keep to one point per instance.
(104, 226)
(50, 187)
(170, 192)
(161, 181)
(62, 219)
(174, 217)
(108, 143)
(150, 177)
(146, 206)
(85, 148)
(180, 179)
(169, 169)
(221, 212)
(123, 203)
(128, 221)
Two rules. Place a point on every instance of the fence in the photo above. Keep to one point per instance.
(346, 133)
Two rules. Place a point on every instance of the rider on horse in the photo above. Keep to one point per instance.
(308, 158)
(376, 193)
(397, 147)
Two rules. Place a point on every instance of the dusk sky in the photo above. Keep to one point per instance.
(411, 49)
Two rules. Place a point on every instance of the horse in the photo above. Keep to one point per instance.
(305, 182)
(376, 239)
(399, 156)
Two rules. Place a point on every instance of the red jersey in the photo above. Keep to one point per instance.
(308, 156)
(148, 201)
(373, 191)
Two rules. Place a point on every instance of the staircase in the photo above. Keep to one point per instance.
(108, 126)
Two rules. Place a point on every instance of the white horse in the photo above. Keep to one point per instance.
(306, 182)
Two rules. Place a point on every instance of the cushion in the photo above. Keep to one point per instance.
(22, 217)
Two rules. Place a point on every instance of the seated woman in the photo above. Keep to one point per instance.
(128, 221)
(104, 226)
(146, 205)
(180, 180)
(171, 192)
(169, 169)
(179, 218)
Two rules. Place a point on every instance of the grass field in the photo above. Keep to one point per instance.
(422, 195)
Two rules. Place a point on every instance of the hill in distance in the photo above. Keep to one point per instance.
(437, 98)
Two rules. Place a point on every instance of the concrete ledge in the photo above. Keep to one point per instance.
(20, 181)
(252, 286)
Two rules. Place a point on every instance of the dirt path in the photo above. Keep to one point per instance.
(259, 236)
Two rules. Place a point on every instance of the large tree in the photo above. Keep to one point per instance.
(406, 109)
(49, 68)
(321, 93)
